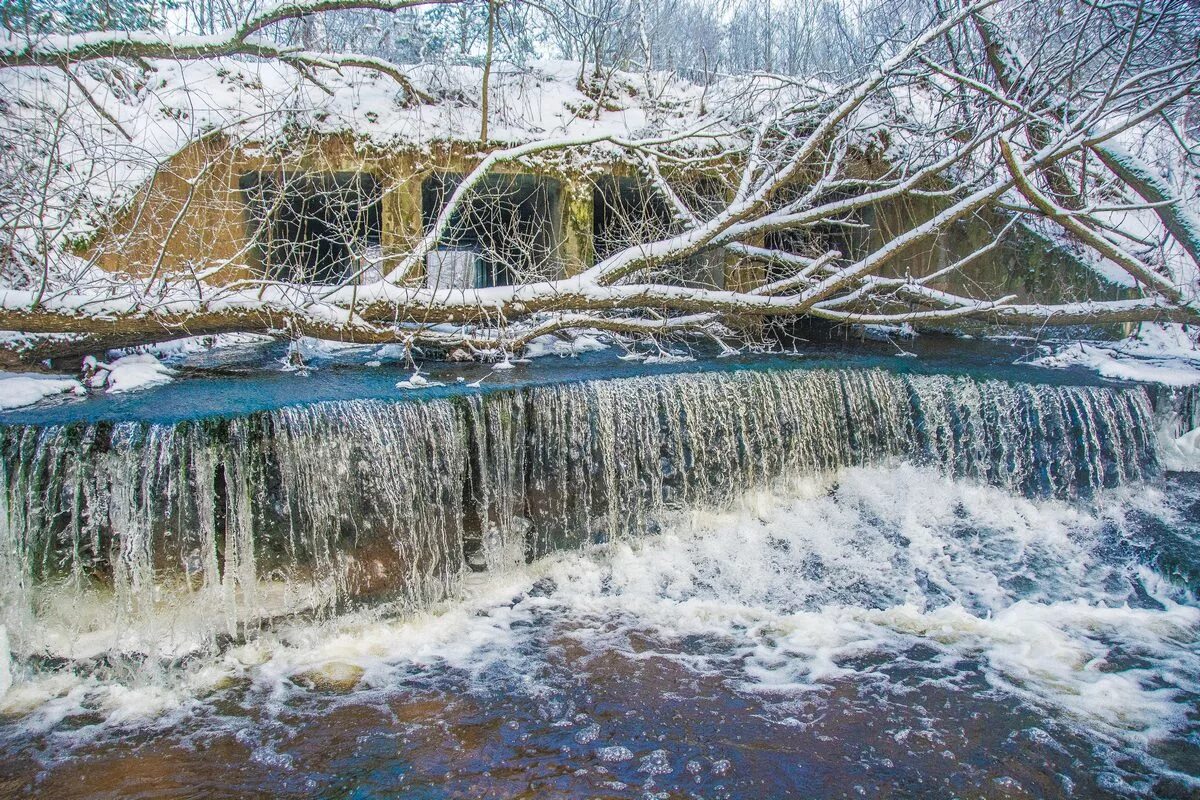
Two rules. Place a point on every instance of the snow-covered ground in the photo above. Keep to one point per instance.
(260, 104)
(129, 132)
(130, 373)
(1165, 354)
(556, 346)
(23, 389)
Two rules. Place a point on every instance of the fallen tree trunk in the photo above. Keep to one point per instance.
(1179, 221)
(381, 324)
(792, 166)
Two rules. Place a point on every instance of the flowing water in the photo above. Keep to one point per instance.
(810, 583)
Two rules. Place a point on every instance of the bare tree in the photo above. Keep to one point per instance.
(953, 116)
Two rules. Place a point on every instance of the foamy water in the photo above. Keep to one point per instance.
(950, 616)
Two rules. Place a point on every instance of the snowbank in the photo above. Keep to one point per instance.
(418, 381)
(17, 389)
(177, 350)
(1163, 354)
(668, 358)
(886, 333)
(260, 105)
(554, 346)
(128, 373)
(1112, 362)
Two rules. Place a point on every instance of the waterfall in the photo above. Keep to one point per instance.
(1177, 410)
(119, 535)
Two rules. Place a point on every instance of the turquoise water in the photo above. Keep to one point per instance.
(241, 380)
(879, 576)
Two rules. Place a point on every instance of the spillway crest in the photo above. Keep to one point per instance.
(320, 507)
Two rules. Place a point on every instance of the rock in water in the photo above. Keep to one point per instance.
(335, 676)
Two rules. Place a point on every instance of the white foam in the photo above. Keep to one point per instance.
(893, 557)
(802, 585)
(806, 583)
(5, 663)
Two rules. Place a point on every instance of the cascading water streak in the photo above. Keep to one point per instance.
(175, 536)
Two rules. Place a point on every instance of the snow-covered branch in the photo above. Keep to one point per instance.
(783, 198)
(246, 39)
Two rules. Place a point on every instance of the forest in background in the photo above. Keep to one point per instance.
(1077, 120)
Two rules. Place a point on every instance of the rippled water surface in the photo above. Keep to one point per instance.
(883, 631)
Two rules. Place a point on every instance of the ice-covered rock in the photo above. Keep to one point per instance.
(127, 374)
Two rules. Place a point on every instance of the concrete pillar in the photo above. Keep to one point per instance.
(400, 210)
(578, 250)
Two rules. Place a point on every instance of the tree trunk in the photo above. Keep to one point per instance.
(1175, 216)
(487, 71)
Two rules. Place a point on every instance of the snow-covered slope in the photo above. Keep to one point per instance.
(79, 147)
(131, 121)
